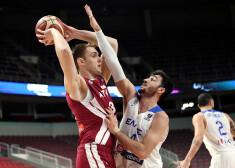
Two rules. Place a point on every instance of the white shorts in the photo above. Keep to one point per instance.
(223, 160)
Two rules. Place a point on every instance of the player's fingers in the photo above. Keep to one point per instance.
(107, 121)
(89, 8)
(46, 42)
(107, 116)
(41, 41)
(41, 36)
(177, 163)
(40, 31)
(86, 8)
(111, 111)
(108, 110)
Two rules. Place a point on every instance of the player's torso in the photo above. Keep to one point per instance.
(90, 114)
(217, 136)
(136, 127)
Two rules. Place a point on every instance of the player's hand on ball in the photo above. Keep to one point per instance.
(111, 121)
(46, 36)
(93, 22)
(48, 22)
(69, 32)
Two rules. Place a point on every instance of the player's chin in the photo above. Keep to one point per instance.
(99, 70)
(141, 90)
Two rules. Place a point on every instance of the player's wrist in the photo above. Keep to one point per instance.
(116, 132)
(53, 31)
(77, 34)
(99, 32)
(188, 160)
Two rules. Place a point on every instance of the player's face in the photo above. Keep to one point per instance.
(151, 85)
(93, 61)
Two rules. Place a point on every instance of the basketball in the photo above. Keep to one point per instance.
(48, 22)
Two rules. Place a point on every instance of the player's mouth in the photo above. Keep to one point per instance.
(144, 84)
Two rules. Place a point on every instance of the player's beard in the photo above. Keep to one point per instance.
(142, 91)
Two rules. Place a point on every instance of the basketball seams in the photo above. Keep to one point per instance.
(49, 21)
(54, 23)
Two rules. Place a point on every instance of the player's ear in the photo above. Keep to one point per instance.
(161, 90)
(198, 106)
(80, 61)
(212, 103)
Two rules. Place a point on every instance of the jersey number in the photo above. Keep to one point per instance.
(221, 126)
(111, 105)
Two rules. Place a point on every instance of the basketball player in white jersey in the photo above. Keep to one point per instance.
(144, 126)
(216, 129)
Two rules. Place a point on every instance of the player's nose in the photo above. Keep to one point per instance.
(99, 59)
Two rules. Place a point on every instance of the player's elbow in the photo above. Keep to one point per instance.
(142, 155)
(198, 138)
(65, 52)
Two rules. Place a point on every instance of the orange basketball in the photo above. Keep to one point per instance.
(48, 22)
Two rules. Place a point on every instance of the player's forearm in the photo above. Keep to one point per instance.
(89, 36)
(62, 49)
(110, 57)
(60, 43)
(134, 146)
(196, 143)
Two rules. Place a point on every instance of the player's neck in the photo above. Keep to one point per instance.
(205, 108)
(147, 103)
(87, 75)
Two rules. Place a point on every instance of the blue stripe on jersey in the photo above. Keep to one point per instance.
(132, 157)
(155, 109)
(210, 111)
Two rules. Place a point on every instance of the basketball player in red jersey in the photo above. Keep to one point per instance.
(85, 78)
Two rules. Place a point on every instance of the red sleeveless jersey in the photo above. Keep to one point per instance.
(90, 114)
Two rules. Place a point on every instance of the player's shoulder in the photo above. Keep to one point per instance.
(162, 115)
(198, 115)
(226, 115)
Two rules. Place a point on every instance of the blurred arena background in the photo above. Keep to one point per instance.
(193, 41)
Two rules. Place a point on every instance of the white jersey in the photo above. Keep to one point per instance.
(217, 137)
(136, 127)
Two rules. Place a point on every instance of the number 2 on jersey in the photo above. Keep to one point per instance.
(221, 127)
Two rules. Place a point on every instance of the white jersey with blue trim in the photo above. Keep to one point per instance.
(136, 127)
(217, 137)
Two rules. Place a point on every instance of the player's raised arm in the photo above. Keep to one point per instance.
(88, 36)
(125, 87)
(64, 54)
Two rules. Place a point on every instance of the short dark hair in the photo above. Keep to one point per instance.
(204, 99)
(167, 83)
(79, 50)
